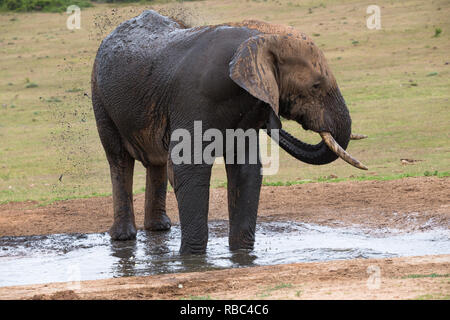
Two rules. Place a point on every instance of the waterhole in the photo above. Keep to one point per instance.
(71, 257)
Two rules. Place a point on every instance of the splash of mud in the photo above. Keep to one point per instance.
(74, 138)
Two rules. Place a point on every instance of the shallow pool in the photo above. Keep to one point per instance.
(69, 257)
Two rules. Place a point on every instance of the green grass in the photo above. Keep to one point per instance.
(437, 296)
(197, 298)
(433, 275)
(395, 82)
(268, 291)
(358, 178)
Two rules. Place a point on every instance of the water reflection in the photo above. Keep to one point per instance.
(125, 252)
(243, 258)
(158, 255)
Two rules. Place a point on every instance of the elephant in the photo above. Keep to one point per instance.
(153, 75)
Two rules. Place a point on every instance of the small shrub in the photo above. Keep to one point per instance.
(437, 32)
(31, 85)
(74, 90)
(430, 174)
(53, 100)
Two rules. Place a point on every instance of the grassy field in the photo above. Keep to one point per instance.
(395, 80)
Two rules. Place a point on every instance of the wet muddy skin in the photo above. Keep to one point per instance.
(69, 257)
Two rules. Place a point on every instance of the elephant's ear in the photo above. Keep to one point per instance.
(253, 69)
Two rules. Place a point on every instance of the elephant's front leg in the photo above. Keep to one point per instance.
(191, 185)
(156, 218)
(244, 185)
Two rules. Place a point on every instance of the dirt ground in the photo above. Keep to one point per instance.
(345, 279)
(407, 204)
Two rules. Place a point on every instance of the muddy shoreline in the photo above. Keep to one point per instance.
(344, 279)
(408, 204)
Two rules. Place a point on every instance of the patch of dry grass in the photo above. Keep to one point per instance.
(395, 80)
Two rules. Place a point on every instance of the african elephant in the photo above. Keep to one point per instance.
(152, 75)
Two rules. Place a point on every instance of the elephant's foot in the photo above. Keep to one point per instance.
(193, 247)
(241, 246)
(241, 242)
(122, 231)
(159, 223)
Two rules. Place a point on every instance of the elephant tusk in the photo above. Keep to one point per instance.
(333, 145)
(357, 136)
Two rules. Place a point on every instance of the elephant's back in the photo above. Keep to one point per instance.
(147, 31)
(133, 44)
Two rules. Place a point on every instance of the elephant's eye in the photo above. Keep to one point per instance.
(316, 85)
(300, 96)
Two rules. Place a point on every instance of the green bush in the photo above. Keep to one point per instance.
(113, 1)
(41, 5)
(13, 4)
(54, 5)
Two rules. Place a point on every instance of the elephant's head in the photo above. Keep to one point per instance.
(289, 72)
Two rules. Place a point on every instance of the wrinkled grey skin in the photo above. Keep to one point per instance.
(152, 76)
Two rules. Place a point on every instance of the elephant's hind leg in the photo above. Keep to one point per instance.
(121, 166)
(124, 226)
(155, 199)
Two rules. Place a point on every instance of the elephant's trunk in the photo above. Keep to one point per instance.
(332, 146)
(313, 154)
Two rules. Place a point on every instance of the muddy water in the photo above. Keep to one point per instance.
(71, 257)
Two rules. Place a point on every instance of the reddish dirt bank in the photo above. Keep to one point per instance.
(400, 278)
(409, 204)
